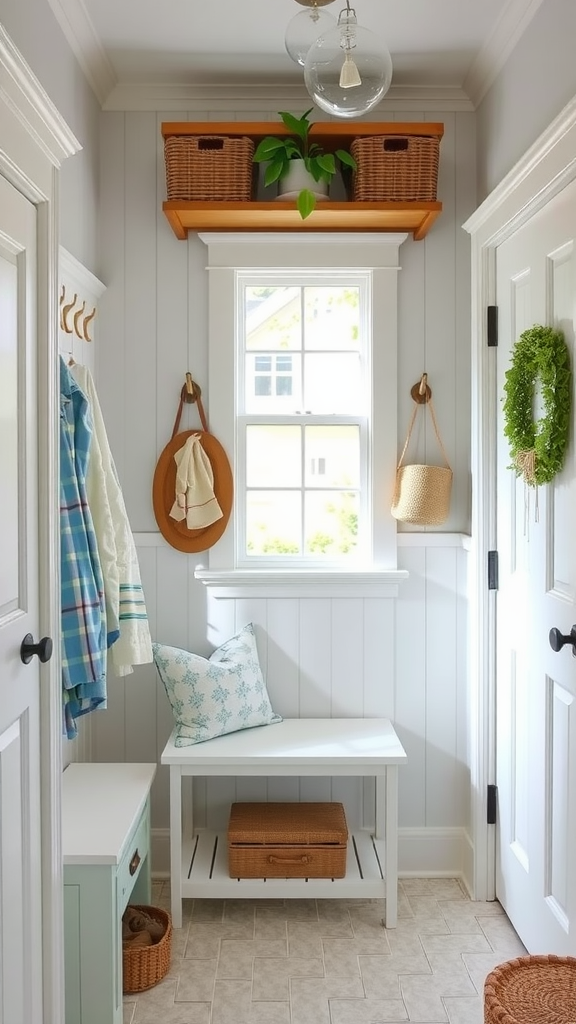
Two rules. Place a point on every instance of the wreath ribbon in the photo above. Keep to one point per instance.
(538, 447)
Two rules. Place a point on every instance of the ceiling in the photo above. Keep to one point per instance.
(453, 47)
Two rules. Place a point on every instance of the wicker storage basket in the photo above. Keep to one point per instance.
(276, 840)
(422, 495)
(202, 168)
(399, 168)
(145, 966)
(531, 990)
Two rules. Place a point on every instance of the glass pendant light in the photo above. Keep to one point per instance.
(348, 69)
(305, 28)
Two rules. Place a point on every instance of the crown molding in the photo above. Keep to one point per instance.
(490, 60)
(23, 93)
(548, 165)
(86, 46)
(247, 99)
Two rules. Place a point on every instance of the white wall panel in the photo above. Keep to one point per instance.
(405, 658)
(520, 755)
(560, 714)
(410, 716)
(439, 646)
(283, 656)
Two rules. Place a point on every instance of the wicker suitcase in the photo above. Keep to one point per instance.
(284, 840)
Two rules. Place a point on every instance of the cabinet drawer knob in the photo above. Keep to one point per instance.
(134, 863)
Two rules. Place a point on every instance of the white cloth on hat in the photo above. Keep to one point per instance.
(195, 499)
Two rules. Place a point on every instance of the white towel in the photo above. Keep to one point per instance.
(195, 499)
(126, 615)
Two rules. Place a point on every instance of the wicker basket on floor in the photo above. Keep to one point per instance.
(145, 966)
(203, 168)
(397, 168)
(531, 990)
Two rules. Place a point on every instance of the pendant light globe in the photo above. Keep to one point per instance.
(348, 69)
(303, 30)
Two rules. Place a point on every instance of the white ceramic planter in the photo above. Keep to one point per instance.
(298, 178)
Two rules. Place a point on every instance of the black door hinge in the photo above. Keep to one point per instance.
(491, 805)
(492, 326)
(492, 570)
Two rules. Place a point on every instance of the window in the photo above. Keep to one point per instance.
(302, 395)
(303, 410)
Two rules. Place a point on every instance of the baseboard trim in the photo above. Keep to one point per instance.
(422, 853)
(468, 863)
(431, 852)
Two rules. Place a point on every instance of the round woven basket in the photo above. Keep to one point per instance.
(145, 966)
(531, 990)
(422, 494)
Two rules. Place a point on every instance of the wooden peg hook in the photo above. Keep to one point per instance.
(191, 390)
(421, 392)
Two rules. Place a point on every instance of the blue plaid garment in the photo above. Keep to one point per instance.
(83, 608)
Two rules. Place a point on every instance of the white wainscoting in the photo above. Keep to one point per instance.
(402, 658)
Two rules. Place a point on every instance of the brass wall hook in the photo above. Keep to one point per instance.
(62, 297)
(421, 392)
(191, 390)
(87, 321)
(64, 314)
(77, 317)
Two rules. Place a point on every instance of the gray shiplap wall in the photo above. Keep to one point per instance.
(153, 327)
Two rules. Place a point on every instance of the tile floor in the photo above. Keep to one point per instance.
(330, 961)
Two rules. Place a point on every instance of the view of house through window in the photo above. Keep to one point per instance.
(302, 420)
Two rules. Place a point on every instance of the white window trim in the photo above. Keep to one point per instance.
(270, 583)
(374, 252)
(333, 276)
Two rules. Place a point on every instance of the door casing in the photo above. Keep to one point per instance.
(35, 142)
(545, 169)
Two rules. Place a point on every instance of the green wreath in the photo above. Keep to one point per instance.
(538, 448)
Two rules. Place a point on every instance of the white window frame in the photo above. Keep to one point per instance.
(373, 254)
(307, 278)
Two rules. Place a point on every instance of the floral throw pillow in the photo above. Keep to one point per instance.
(218, 695)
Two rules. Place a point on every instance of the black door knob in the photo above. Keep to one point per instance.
(43, 648)
(558, 639)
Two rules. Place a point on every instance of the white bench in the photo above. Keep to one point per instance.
(294, 747)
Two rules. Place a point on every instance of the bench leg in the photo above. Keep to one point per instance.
(391, 845)
(176, 846)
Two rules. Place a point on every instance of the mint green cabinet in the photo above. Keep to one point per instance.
(106, 852)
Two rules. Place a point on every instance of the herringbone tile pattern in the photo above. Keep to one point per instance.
(330, 961)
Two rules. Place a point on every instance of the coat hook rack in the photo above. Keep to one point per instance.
(421, 392)
(80, 321)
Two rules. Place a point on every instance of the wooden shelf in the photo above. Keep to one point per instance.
(416, 218)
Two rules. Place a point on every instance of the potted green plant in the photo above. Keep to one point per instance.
(281, 154)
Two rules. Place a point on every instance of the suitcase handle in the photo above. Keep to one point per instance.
(289, 860)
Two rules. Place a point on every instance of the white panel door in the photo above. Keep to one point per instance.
(536, 688)
(20, 863)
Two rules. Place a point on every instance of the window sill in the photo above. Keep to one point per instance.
(302, 582)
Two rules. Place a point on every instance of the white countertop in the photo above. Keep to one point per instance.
(100, 803)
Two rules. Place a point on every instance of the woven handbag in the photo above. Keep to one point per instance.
(422, 493)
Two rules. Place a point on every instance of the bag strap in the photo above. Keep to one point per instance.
(411, 427)
(190, 396)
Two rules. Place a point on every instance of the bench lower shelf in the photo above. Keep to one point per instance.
(205, 873)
